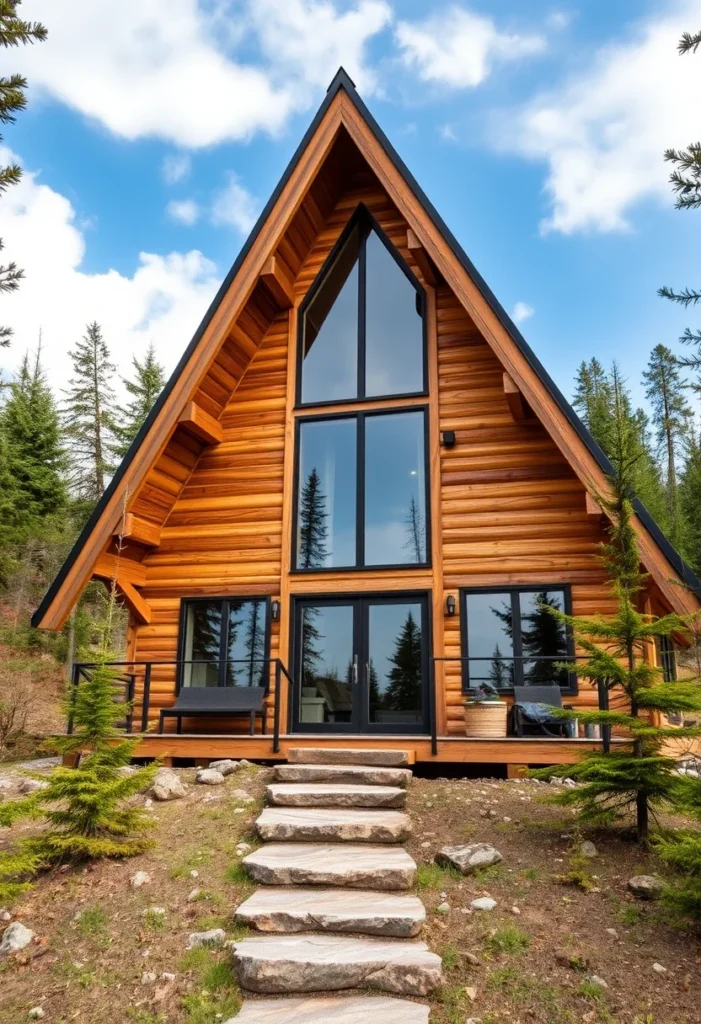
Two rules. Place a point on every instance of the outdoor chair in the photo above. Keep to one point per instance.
(219, 701)
(530, 710)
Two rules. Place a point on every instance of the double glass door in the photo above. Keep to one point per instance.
(361, 664)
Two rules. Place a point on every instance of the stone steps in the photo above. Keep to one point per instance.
(333, 910)
(332, 825)
(352, 756)
(333, 1010)
(319, 963)
(327, 794)
(350, 774)
(386, 868)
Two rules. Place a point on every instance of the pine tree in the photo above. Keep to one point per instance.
(634, 776)
(13, 32)
(312, 524)
(593, 399)
(146, 386)
(89, 416)
(690, 503)
(681, 850)
(404, 686)
(671, 417)
(9, 514)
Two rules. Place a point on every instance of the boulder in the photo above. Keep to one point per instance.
(15, 937)
(213, 937)
(469, 858)
(587, 849)
(226, 767)
(209, 777)
(646, 887)
(484, 903)
(167, 785)
(28, 786)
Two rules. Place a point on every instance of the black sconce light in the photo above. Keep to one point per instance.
(448, 438)
(450, 604)
(275, 610)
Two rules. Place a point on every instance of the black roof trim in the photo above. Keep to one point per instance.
(340, 81)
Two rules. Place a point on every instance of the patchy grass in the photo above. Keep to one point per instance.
(508, 938)
(434, 876)
(92, 921)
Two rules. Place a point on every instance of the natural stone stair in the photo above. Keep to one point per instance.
(320, 963)
(333, 910)
(387, 868)
(333, 1010)
(348, 755)
(344, 774)
(327, 794)
(332, 825)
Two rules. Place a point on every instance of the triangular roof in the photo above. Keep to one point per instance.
(343, 108)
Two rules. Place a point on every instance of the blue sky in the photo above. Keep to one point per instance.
(156, 131)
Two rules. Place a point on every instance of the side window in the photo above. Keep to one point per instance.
(224, 642)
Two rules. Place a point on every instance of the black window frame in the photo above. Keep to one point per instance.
(368, 223)
(517, 657)
(225, 601)
(667, 659)
(360, 418)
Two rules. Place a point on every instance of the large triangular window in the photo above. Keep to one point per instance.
(362, 324)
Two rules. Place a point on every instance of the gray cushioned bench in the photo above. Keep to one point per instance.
(225, 701)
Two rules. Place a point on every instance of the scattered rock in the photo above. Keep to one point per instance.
(167, 785)
(242, 796)
(569, 783)
(226, 767)
(214, 937)
(5, 783)
(243, 763)
(36, 1013)
(194, 874)
(15, 937)
(139, 879)
(612, 932)
(646, 887)
(154, 911)
(209, 777)
(473, 1020)
(148, 978)
(148, 803)
(471, 994)
(239, 810)
(659, 968)
(126, 770)
(28, 786)
(470, 857)
(596, 980)
(192, 896)
(5, 915)
(587, 849)
(167, 976)
(484, 903)
(516, 911)
(243, 847)
(443, 908)
(472, 959)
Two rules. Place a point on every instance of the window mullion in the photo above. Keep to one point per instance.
(516, 638)
(223, 642)
(360, 493)
(362, 269)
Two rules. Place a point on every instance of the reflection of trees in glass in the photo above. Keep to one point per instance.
(254, 643)
(310, 653)
(405, 678)
(206, 632)
(543, 639)
(416, 532)
(376, 697)
(312, 524)
(500, 672)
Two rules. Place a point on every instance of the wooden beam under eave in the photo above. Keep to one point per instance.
(592, 505)
(139, 530)
(139, 608)
(514, 399)
(199, 423)
(278, 283)
(421, 258)
(116, 567)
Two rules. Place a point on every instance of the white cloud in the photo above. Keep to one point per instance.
(447, 133)
(235, 206)
(457, 48)
(186, 211)
(603, 132)
(176, 167)
(162, 301)
(192, 72)
(521, 311)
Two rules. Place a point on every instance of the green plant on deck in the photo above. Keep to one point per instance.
(635, 776)
(681, 850)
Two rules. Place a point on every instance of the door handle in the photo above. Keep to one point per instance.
(355, 670)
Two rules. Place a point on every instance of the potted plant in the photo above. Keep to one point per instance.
(485, 712)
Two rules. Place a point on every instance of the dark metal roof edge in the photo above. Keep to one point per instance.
(340, 81)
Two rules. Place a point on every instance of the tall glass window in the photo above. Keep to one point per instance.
(395, 489)
(326, 499)
(362, 330)
(225, 642)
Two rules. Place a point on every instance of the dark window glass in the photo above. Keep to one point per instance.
(543, 638)
(241, 660)
(490, 631)
(326, 519)
(394, 348)
(326, 663)
(395, 489)
(666, 658)
(395, 665)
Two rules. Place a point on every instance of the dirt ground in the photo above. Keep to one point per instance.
(99, 946)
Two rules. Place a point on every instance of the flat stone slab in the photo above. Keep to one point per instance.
(318, 963)
(357, 756)
(333, 910)
(345, 774)
(332, 1010)
(332, 825)
(353, 866)
(328, 794)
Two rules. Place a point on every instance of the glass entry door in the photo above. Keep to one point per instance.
(361, 664)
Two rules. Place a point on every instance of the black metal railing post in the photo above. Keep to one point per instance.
(276, 707)
(604, 706)
(146, 699)
(432, 716)
(131, 689)
(75, 680)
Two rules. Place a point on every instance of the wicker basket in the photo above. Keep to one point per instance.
(486, 719)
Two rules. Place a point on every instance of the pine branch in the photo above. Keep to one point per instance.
(689, 43)
(687, 297)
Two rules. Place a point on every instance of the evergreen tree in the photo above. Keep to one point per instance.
(146, 386)
(404, 687)
(681, 849)
(593, 399)
(13, 32)
(635, 776)
(671, 417)
(690, 502)
(89, 416)
(312, 524)
(9, 514)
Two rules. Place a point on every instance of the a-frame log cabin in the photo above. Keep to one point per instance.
(356, 490)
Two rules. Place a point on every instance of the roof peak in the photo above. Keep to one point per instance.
(341, 80)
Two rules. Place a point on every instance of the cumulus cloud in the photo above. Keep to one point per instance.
(195, 73)
(176, 167)
(602, 133)
(458, 48)
(235, 206)
(186, 211)
(162, 301)
(521, 311)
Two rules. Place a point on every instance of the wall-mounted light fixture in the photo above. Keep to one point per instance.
(275, 610)
(448, 438)
(450, 605)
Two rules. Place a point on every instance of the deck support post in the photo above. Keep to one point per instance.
(516, 771)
